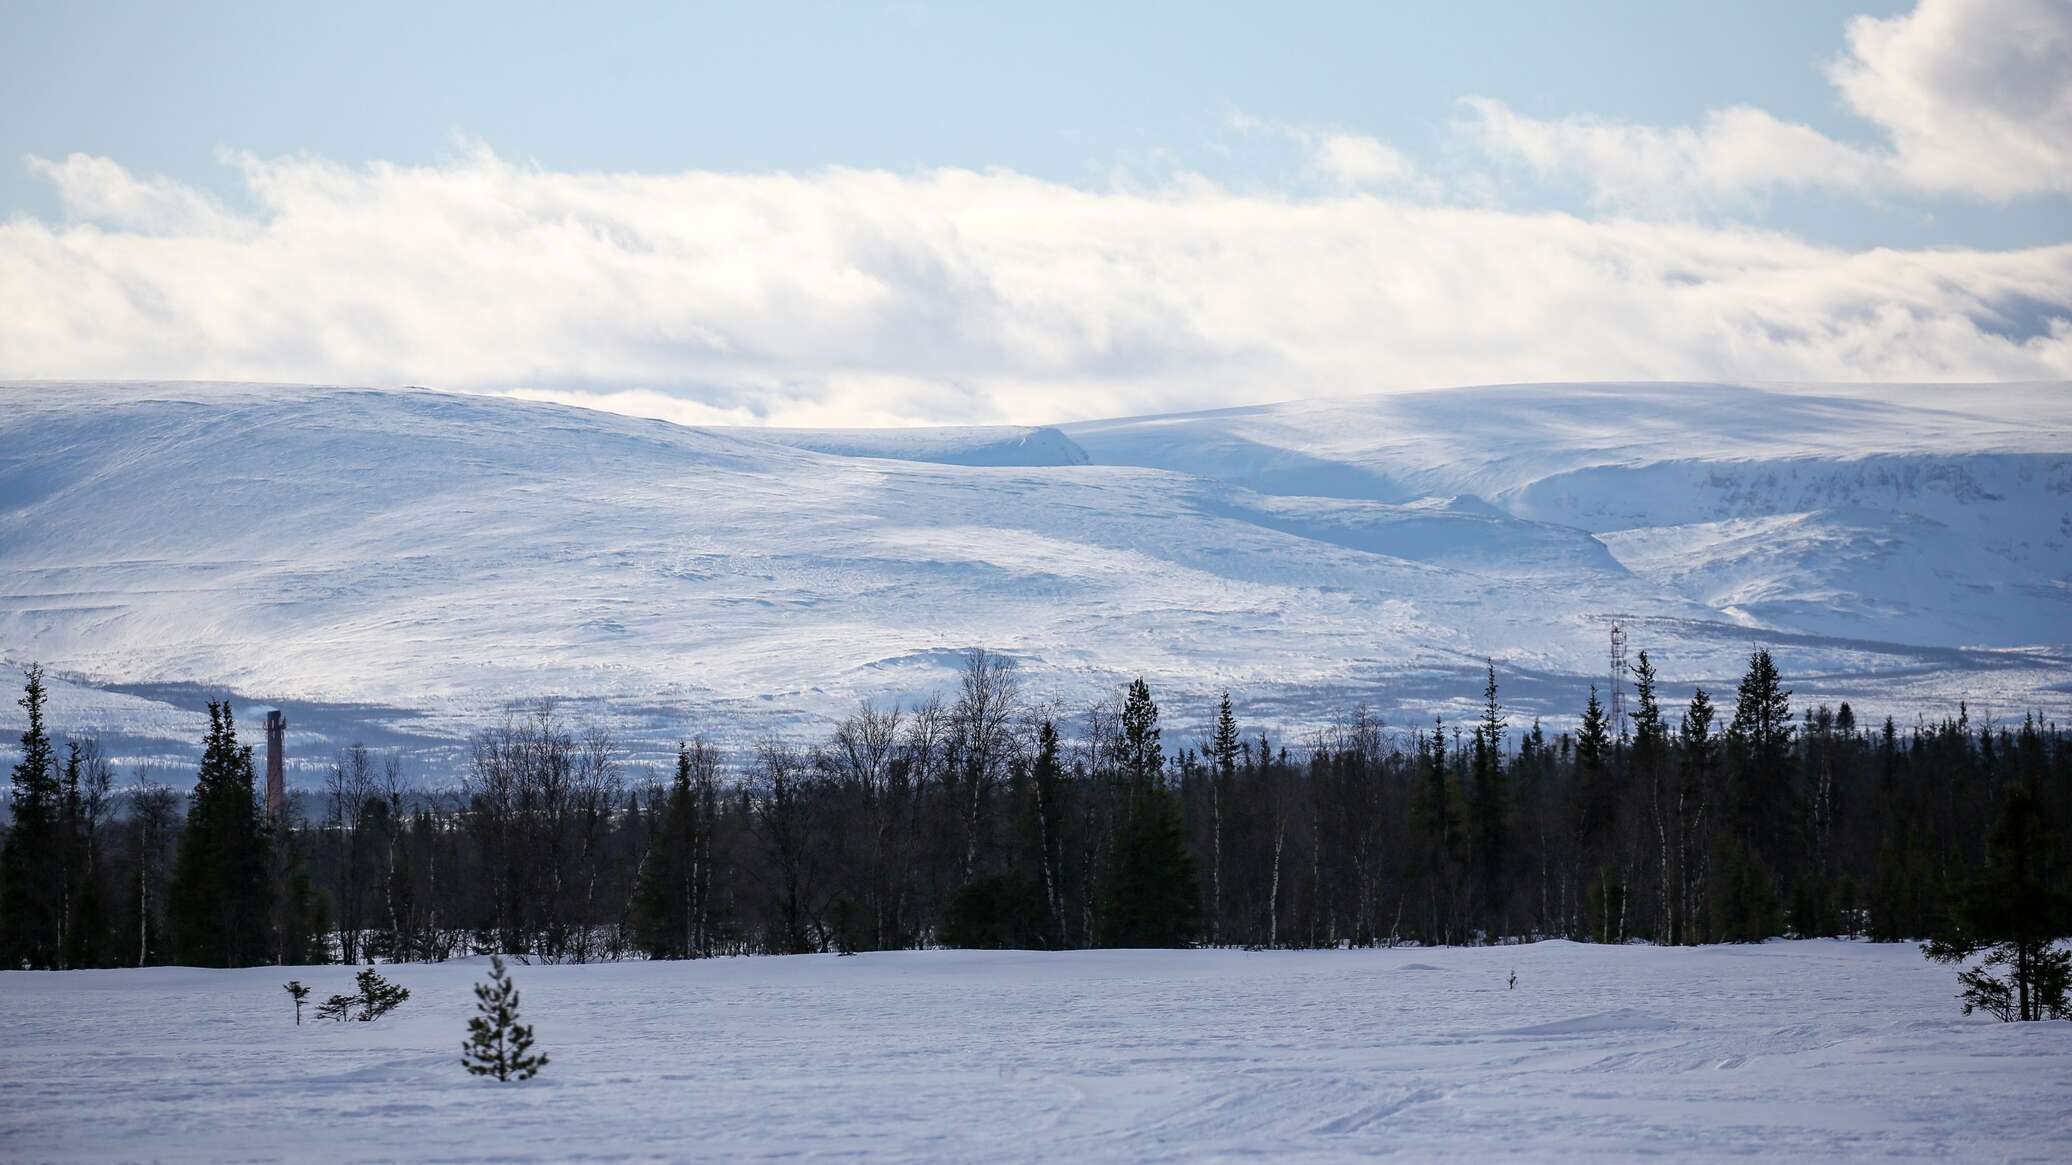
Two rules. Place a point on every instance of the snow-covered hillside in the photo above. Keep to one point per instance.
(337, 549)
(1802, 1051)
(1929, 514)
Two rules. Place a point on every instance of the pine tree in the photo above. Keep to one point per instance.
(1143, 758)
(1223, 750)
(220, 896)
(497, 1044)
(1047, 821)
(1597, 804)
(1751, 848)
(1759, 741)
(32, 873)
(1650, 762)
(1489, 800)
(662, 897)
(1695, 748)
(298, 991)
(376, 995)
(2015, 910)
(1152, 898)
(1224, 745)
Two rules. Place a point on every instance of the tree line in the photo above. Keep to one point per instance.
(992, 819)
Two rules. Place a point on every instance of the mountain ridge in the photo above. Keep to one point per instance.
(451, 553)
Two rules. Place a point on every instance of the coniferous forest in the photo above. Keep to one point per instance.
(988, 819)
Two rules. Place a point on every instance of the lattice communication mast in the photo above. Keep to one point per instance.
(1617, 684)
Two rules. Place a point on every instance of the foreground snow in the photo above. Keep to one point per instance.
(1803, 1051)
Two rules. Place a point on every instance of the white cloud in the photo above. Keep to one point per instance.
(1354, 160)
(1976, 95)
(99, 190)
(1737, 153)
(859, 296)
(1339, 158)
(1973, 97)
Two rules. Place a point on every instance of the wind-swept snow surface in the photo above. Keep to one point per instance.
(1901, 547)
(1804, 1051)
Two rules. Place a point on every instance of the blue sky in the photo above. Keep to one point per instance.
(178, 165)
(1070, 92)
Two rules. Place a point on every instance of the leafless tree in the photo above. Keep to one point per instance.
(155, 809)
(983, 722)
(352, 794)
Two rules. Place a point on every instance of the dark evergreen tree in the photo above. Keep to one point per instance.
(1696, 748)
(301, 930)
(662, 906)
(220, 894)
(1224, 748)
(376, 996)
(2014, 910)
(1489, 807)
(1751, 848)
(1142, 756)
(497, 1044)
(32, 916)
(1152, 898)
(1648, 769)
(1597, 806)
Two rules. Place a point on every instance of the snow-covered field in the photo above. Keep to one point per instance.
(399, 565)
(1800, 1051)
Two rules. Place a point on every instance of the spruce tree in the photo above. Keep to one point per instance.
(377, 996)
(1751, 850)
(1489, 802)
(1152, 898)
(1143, 758)
(1223, 751)
(1224, 745)
(662, 896)
(1597, 803)
(32, 872)
(2015, 910)
(219, 899)
(497, 1044)
(1649, 764)
(1695, 752)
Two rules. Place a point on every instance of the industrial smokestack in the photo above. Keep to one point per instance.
(276, 780)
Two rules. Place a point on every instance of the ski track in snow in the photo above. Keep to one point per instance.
(399, 566)
(1785, 1051)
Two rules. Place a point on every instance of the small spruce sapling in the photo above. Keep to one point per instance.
(337, 1007)
(295, 988)
(377, 995)
(497, 1044)
(2011, 911)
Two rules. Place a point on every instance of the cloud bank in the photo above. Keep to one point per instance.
(1973, 98)
(864, 297)
(861, 297)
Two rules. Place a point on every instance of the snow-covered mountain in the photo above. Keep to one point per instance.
(446, 554)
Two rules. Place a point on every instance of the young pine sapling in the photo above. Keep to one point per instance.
(377, 995)
(497, 1044)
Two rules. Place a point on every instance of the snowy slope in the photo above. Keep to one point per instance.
(447, 554)
(1919, 514)
(1802, 1051)
(975, 445)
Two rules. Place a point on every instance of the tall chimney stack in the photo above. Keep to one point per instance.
(276, 780)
